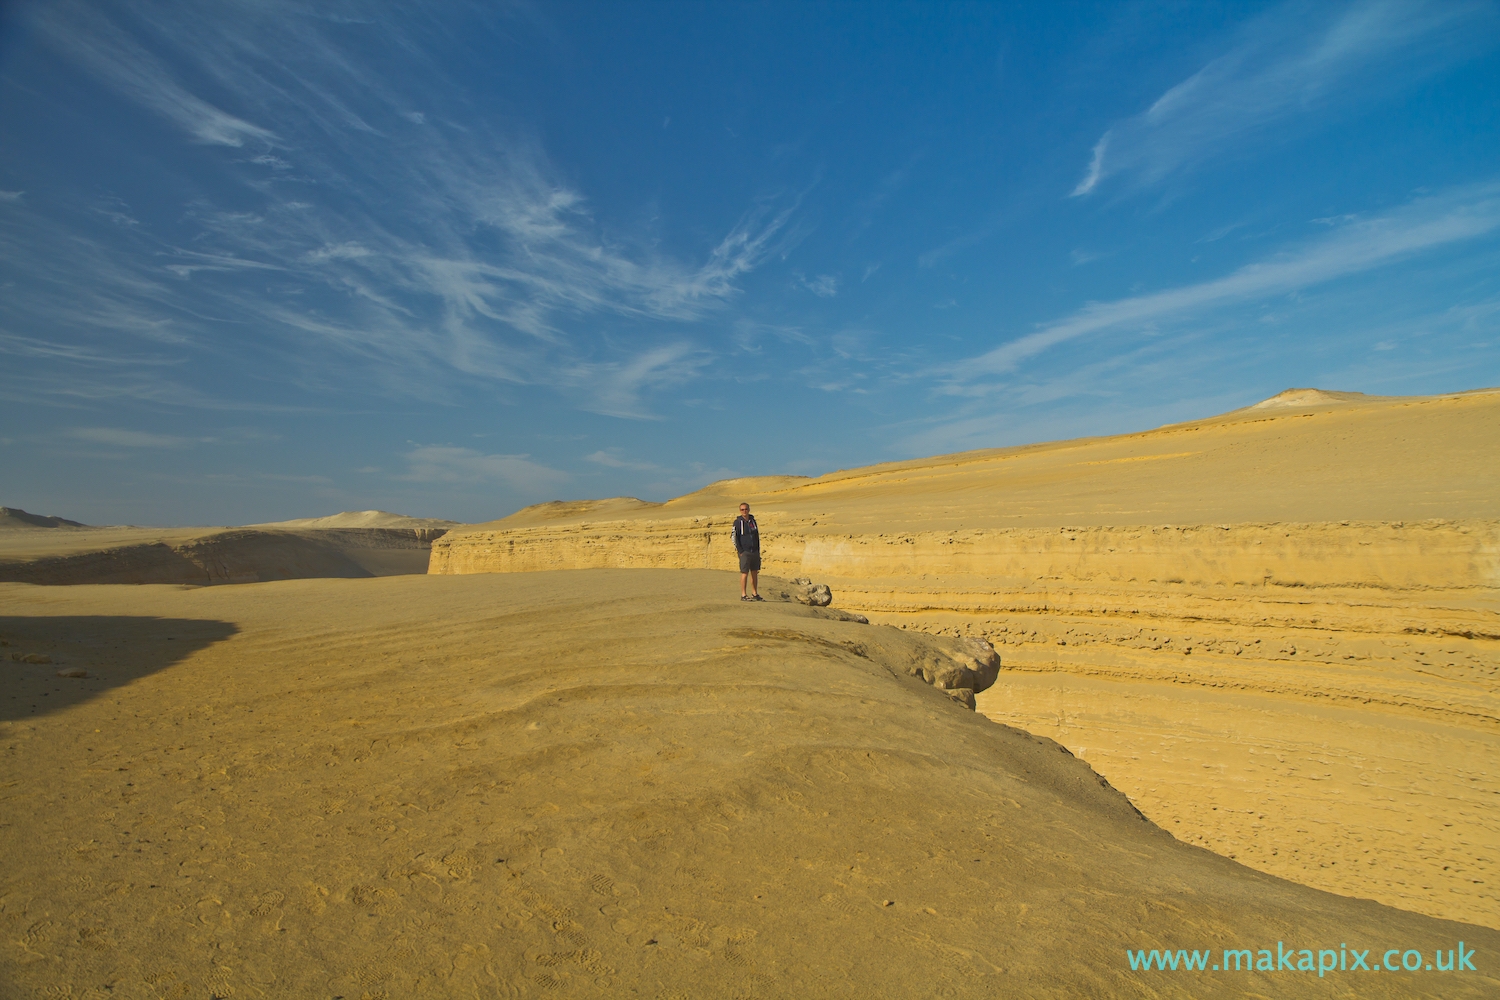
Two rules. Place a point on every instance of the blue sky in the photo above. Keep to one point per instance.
(262, 260)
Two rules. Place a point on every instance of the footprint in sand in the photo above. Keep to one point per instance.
(267, 903)
(217, 984)
(95, 938)
(375, 899)
(459, 865)
(592, 962)
(167, 984)
(315, 899)
(38, 932)
(372, 978)
(840, 903)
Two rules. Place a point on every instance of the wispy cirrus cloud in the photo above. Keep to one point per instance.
(614, 388)
(113, 55)
(366, 244)
(1284, 68)
(611, 459)
(1351, 248)
(824, 286)
(448, 464)
(123, 438)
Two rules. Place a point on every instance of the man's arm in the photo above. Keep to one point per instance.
(736, 533)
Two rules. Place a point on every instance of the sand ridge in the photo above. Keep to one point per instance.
(56, 551)
(362, 519)
(1332, 553)
(13, 518)
(305, 788)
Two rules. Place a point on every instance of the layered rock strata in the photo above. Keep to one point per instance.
(1227, 617)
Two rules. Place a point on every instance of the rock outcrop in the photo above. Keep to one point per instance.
(235, 555)
(804, 591)
(1324, 552)
(963, 667)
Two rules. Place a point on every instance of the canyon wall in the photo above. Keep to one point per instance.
(1219, 674)
(1277, 630)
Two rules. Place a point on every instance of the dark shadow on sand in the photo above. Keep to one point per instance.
(110, 649)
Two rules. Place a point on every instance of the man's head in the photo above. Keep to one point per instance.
(744, 510)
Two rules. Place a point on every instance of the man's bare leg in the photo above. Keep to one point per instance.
(743, 578)
(754, 583)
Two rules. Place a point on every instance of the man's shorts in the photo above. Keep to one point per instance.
(749, 561)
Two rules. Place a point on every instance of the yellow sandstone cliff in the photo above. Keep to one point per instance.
(1277, 630)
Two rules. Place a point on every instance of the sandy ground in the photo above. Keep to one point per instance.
(594, 783)
(1277, 630)
(1349, 799)
(353, 544)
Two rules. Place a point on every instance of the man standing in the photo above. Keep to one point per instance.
(747, 544)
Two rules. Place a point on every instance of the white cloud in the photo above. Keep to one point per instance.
(447, 253)
(122, 438)
(11, 195)
(1350, 249)
(446, 464)
(610, 460)
(825, 286)
(1096, 167)
(615, 388)
(342, 251)
(1284, 68)
(114, 56)
(937, 255)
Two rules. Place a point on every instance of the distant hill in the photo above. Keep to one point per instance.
(14, 517)
(1312, 397)
(361, 519)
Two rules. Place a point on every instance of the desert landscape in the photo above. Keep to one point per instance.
(353, 544)
(381, 384)
(1235, 679)
(1277, 631)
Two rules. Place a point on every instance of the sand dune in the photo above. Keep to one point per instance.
(363, 519)
(353, 544)
(1277, 630)
(596, 784)
(1313, 397)
(12, 518)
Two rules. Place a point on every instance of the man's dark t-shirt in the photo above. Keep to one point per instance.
(746, 534)
(747, 542)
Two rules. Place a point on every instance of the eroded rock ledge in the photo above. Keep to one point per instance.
(236, 555)
(961, 666)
